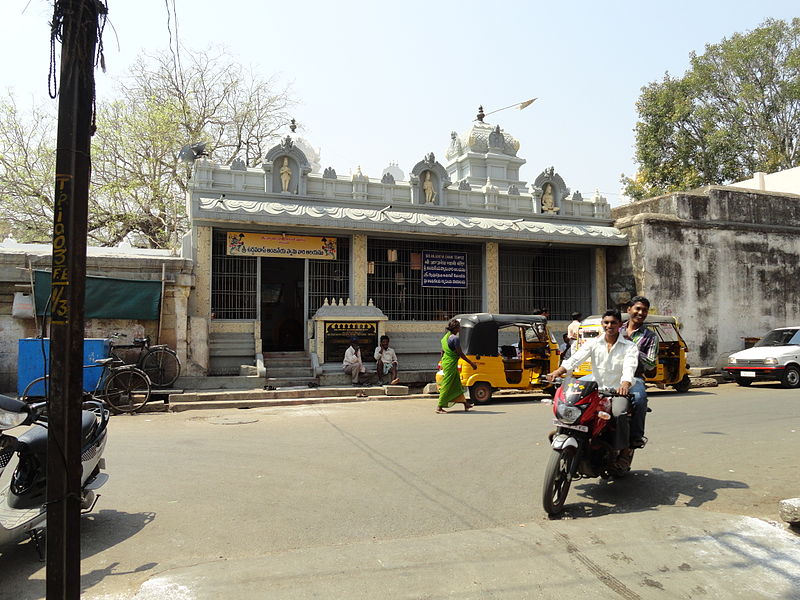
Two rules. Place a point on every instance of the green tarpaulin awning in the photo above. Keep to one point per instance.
(108, 298)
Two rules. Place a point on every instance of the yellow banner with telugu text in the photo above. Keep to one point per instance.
(279, 245)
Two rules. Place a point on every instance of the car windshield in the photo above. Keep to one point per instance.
(780, 337)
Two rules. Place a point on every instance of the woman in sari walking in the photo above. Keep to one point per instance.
(450, 389)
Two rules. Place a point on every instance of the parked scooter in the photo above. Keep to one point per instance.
(587, 442)
(23, 502)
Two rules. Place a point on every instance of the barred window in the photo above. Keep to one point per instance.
(233, 282)
(329, 278)
(558, 279)
(394, 281)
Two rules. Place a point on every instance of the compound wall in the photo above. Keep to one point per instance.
(726, 261)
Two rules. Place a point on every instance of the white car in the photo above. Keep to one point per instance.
(775, 357)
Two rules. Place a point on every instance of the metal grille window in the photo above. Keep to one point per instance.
(233, 282)
(329, 278)
(558, 279)
(394, 281)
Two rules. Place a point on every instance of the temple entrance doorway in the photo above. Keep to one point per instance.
(282, 300)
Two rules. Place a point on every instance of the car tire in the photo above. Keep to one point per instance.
(791, 377)
(480, 393)
(743, 382)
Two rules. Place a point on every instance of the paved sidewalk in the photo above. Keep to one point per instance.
(706, 555)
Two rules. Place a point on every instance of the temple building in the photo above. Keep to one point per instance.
(287, 259)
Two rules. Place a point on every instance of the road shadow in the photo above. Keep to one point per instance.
(19, 562)
(511, 400)
(479, 410)
(646, 490)
(664, 394)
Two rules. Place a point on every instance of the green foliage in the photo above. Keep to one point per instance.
(139, 186)
(736, 111)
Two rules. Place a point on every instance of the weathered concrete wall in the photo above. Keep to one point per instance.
(725, 261)
(14, 276)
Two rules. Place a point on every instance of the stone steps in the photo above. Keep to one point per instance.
(288, 368)
(220, 382)
(290, 372)
(290, 382)
(285, 397)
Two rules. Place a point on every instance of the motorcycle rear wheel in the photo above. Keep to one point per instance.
(557, 480)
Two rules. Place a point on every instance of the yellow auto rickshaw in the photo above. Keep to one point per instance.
(511, 351)
(671, 368)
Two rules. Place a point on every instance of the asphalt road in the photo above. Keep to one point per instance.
(387, 499)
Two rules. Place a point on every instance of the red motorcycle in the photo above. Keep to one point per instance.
(587, 442)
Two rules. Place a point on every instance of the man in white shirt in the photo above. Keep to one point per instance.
(614, 362)
(614, 359)
(386, 359)
(352, 364)
(574, 327)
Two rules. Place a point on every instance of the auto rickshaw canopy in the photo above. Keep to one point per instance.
(479, 331)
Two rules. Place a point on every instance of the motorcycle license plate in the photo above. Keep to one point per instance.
(575, 427)
(747, 374)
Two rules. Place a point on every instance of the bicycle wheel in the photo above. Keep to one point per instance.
(127, 390)
(162, 366)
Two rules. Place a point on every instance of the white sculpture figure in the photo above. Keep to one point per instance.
(427, 187)
(286, 174)
(548, 204)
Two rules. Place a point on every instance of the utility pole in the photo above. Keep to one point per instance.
(79, 27)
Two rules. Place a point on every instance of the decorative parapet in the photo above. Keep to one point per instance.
(429, 179)
(410, 219)
(286, 169)
(263, 184)
(343, 308)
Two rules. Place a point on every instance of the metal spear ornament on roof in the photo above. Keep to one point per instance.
(519, 105)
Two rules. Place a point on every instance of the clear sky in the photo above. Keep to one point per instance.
(380, 81)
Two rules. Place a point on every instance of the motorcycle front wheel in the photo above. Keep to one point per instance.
(557, 481)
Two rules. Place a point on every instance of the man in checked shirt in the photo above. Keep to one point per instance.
(647, 343)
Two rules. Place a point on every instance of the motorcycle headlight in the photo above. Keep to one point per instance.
(11, 419)
(568, 414)
(731, 361)
(770, 360)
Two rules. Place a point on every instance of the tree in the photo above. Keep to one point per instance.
(736, 111)
(138, 184)
(27, 171)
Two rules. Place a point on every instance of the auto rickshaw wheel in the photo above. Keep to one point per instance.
(683, 385)
(743, 382)
(480, 393)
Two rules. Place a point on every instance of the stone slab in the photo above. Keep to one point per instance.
(396, 390)
(790, 510)
(702, 382)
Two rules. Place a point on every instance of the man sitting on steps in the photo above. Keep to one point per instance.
(386, 361)
(352, 364)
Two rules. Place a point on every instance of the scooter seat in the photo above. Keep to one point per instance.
(36, 437)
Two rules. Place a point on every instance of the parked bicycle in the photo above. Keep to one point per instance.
(124, 388)
(160, 362)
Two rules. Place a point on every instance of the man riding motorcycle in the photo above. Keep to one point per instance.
(614, 361)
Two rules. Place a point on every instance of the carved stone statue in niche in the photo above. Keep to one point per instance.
(548, 201)
(427, 187)
(286, 174)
